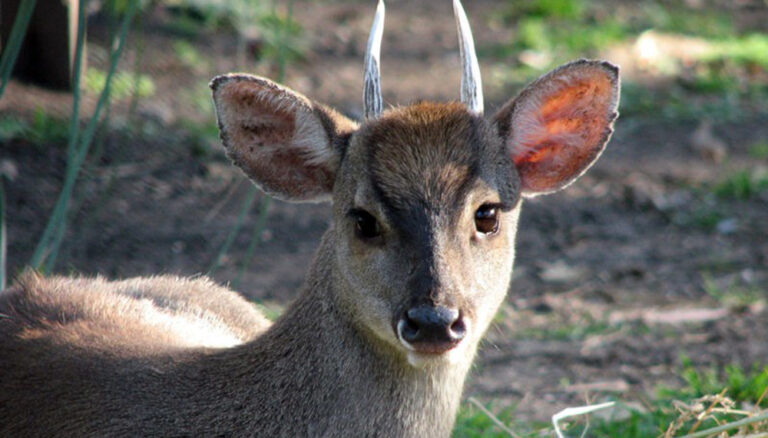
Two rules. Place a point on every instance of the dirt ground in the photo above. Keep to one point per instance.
(616, 277)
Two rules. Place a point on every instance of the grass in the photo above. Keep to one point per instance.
(705, 217)
(750, 49)
(713, 394)
(676, 17)
(759, 149)
(474, 421)
(42, 130)
(200, 136)
(727, 81)
(188, 55)
(747, 386)
(708, 397)
(123, 84)
(562, 324)
(741, 185)
(714, 204)
(283, 38)
(3, 236)
(575, 331)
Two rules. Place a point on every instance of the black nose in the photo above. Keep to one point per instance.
(433, 328)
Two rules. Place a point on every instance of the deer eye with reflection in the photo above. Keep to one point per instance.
(366, 226)
(487, 219)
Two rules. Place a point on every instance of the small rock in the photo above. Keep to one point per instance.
(727, 226)
(560, 272)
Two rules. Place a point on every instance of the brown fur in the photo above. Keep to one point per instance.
(427, 153)
(165, 356)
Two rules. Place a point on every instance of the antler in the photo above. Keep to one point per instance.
(372, 101)
(471, 84)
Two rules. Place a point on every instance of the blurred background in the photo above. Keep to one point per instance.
(645, 281)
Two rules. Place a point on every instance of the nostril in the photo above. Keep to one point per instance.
(458, 329)
(409, 329)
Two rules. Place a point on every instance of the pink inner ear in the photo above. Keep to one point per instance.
(562, 128)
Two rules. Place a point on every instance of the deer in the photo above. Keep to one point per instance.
(412, 269)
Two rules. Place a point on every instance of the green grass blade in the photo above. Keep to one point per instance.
(3, 235)
(246, 207)
(76, 76)
(258, 228)
(15, 39)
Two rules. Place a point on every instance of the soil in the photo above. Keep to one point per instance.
(616, 277)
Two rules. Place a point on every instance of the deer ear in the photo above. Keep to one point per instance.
(559, 125)
(288, 145)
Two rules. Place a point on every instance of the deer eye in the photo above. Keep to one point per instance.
(366, 226)
(487, 219)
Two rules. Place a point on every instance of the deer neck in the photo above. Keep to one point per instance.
(350, 375)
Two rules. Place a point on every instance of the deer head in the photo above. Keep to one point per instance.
(426, 197)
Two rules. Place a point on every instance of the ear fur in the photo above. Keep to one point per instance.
(288, 145)
(559, 125)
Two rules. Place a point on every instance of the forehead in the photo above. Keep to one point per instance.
(428, 155)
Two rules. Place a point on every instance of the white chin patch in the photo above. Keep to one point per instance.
(451, 357)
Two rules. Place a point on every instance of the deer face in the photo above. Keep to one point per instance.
(426, 197)
(425, 214)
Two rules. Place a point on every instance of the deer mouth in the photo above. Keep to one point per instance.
(433, 349)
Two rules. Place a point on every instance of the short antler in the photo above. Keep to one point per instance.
(372, 102)
(471, 84)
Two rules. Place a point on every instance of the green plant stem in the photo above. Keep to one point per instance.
(50, 242)
(281, 55)
(728, 426)
(3, 235)
(140, 46)
(15, 39)
(42, 247)
(247, 203)
(261, 222)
